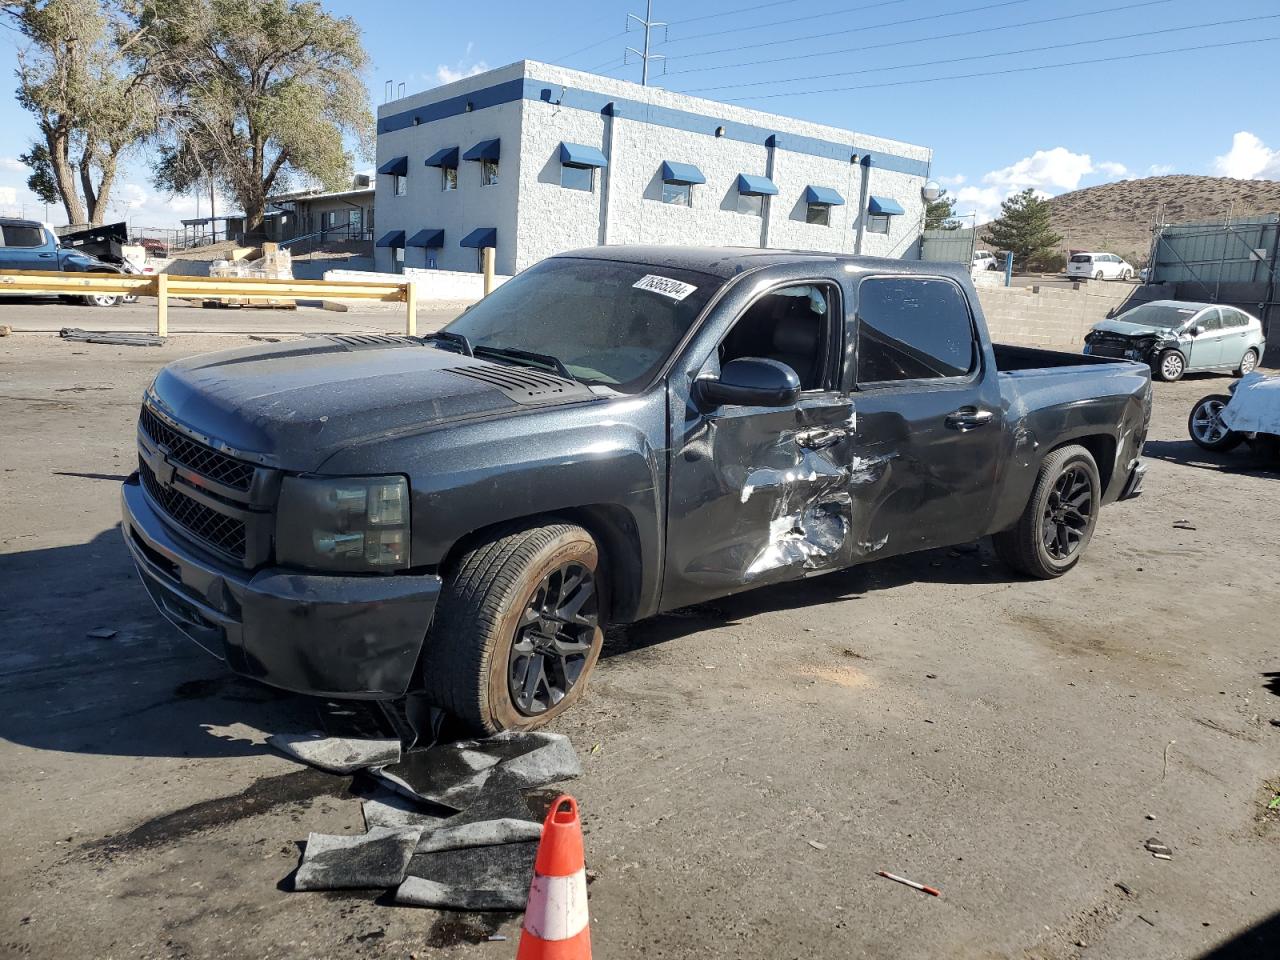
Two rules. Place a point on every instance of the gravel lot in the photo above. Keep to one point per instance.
(1012, 743)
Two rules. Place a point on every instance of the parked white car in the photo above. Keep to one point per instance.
(984, 260)
(1099, 266)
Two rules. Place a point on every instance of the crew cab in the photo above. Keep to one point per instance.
(31, 245)
(613, 433)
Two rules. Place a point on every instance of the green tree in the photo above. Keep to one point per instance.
(260, 93)
(89, 102)
(940, 214)
(1024, 228)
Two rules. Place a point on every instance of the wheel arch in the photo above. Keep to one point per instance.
(1101, 446)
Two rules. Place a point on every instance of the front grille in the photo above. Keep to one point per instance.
(220, 531)
(195, 455)
(1102, 348)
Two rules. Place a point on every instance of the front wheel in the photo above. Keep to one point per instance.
(1206, 427)
(1098, 276)
(1058, 522)
(102, 300)
(517, 629)
(1170, 366)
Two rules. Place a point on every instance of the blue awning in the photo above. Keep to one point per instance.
(576, 155)
(484, 150)
(448, 157)
(757, 186)
(883, 205)
(426, 238)
(673, 172)
(481, 237)
(397, 166)
(823, 195)
(393, 239)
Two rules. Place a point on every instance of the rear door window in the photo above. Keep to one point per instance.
(1233, 318)
(913, 329)
(23, 235)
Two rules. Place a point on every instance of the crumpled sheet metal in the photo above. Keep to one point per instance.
(474, 878)
(482, 833)
(1255, 406)
(377, 859)
(813, 514)
(390, 808)
(336, 754)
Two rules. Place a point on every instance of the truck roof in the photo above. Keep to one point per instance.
(726, 262)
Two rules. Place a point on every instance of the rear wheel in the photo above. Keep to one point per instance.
(1206, 427)
(1170, 366)
(1248, 363)
(1058, 522)
(1098, 275)
(517, 629)
(102, 300)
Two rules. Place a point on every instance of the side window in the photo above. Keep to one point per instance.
(399, 186)
(1233, 318)
(911, 329)
(877, 223)
(791, 325)
(22, 235)
(1210, 320)
(448, 178)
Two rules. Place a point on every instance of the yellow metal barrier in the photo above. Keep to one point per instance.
(162, 286)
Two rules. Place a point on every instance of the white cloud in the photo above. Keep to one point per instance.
(1248, 159)
(955, 181)
(8, 196)
(13, 165)
(1056, 169)
(1111, 169)
(460, 70)
(1160, 169)
(982, 201)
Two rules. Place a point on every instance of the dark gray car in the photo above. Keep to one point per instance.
(613, 433)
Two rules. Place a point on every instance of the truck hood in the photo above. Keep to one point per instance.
(292, 405)
(1124, 329)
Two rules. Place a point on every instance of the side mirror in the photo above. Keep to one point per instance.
(1196, 330)
(749, 381)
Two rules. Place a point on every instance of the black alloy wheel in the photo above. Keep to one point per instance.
(554, 639)
(1068, 513)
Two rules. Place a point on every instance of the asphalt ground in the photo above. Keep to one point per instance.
(750, 764)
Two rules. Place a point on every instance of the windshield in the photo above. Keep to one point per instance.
(1161, 316)
(608, 322)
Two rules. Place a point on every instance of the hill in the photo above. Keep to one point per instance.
(1117, 217)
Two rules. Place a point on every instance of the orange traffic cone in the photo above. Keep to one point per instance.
(556, 926)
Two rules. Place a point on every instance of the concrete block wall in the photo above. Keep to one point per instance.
(1052, 317)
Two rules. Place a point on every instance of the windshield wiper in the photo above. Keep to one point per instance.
(454, 338)
(525, 357)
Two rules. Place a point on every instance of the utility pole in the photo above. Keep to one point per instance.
(645, 56)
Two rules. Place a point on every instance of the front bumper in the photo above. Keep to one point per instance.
(1133, 486)
(325, 635)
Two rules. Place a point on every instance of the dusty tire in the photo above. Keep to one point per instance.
(1206, 431)
(1056, 501)
(469, 667)
(1248, 363)
(1170, 366)
(101, 300)
(1099, 276)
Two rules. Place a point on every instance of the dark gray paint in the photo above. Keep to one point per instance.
(757, 495)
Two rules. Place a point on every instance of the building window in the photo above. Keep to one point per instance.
(400, 185)
(578, 178)
(818, 214)
(751, 204)
(397, 259)
(878, 223)
(677, 193)
(489, 172)
(448, 178)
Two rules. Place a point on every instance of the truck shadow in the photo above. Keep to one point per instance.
(89, 666)
(973, 564)
(1260, 940)
(1185, 453)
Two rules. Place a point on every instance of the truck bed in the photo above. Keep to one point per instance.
(1011, 358)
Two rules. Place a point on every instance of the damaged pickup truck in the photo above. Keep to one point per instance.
(613, 433)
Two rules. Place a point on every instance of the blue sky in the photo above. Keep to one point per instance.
(1204, 109)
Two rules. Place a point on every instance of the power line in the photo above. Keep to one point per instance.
(987, 56)
(902, 43)
(812, 16)
(836, 33)
(999, 73)
(739, 10)
(590, 46)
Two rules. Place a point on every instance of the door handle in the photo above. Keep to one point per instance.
(47, 256)
(969, 418)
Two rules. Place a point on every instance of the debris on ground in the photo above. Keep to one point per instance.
(1158, 850)
(120, 338)
(5, 329)
(101, 633)
(816, 845)
(447, 827)
(335, 754)
(910, 883)
(1183, 525)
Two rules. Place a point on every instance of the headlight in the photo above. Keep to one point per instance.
(350, 524)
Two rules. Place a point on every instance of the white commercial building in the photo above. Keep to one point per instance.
(533, 159)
